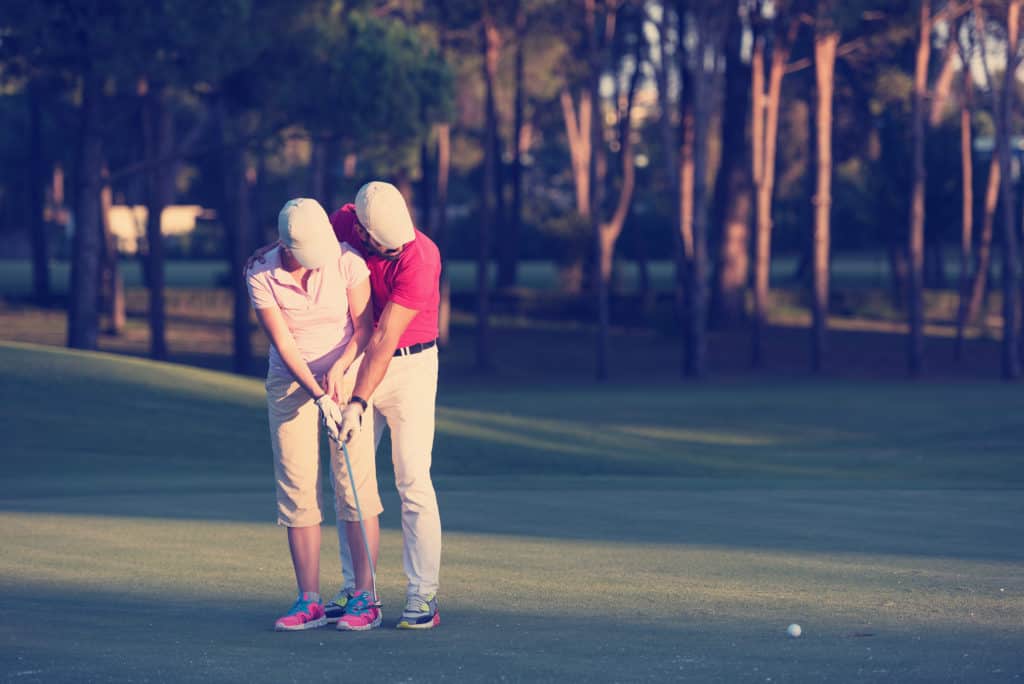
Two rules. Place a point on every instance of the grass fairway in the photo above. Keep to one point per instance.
(625, 533)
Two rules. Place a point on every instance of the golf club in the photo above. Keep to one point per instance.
(359, 512)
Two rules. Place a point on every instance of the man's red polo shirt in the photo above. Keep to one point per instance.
(412, 280)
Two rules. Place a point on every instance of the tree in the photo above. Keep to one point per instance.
(1011, 255)
(916, 237)
(764, 131)
(490, 46)
(83, 310)
(826, 42)
(709, 23)
(733, 199)
(967, 184)
(509, 259)
(36, 224)
(628, 36)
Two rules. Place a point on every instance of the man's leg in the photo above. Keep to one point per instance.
(407, 402)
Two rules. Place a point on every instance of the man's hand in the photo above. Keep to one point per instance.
(351, 421)
(331, 415)
(257, 256)
(332, 383)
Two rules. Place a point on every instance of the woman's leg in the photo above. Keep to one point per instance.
(304, 543)
(294, 432)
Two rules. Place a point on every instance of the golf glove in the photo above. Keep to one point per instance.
(351, 421)
(331, 415)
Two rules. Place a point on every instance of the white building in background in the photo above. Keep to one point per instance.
(128, 223)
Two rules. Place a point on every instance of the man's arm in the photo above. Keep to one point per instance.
(362, 322)
(379, 352)
(381, 348)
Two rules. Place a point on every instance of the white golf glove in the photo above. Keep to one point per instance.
(331, 415)
(351, 421)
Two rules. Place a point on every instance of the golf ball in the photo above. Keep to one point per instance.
(794, 630)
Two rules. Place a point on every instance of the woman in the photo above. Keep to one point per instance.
(311, 296)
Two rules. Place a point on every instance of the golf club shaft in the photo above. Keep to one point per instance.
(359, 512)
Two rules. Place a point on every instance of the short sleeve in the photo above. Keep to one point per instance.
(414, 285)
(259, 294)
(353, 266)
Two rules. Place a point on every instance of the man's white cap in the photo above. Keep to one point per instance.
(381, 209)
(306, 231)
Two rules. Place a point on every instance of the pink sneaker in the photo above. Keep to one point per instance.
(304, 614)
(362, 613)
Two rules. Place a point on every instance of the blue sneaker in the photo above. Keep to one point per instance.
(420, 613)
(361, 614)
(335, 608)
(304, 614)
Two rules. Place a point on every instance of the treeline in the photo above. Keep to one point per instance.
(583, 130)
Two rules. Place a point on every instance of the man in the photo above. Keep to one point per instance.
(399, 375)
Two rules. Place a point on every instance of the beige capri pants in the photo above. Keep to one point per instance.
(295, 437)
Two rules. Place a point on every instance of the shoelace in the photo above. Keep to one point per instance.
(300, 606)
(361, 604)
(417, 604)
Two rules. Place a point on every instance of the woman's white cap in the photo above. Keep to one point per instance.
(306, 231)
(381, 209)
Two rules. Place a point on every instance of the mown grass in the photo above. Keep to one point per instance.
(626, 533)
(135, 417)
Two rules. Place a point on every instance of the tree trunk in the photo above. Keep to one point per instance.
(670, 146)
(441, 231)
(685, 177)
(915, 242)
(83, 313)
(764, 183)
(967, 209)
(440, 227)
(158, 132)
(111, 282)
(509, 267)
(577, 131)
(825, 44)
(489, 45)
(596, 188)
(37, 229)
(979, 284)
(697, 285)
(1011, 257)
(426, 186)
(733, 190)
(234, 214)
(608, 233)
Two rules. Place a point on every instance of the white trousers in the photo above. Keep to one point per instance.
(405, 400)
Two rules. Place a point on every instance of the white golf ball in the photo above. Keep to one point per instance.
(794, 630)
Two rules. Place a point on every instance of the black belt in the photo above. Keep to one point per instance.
(415, 348)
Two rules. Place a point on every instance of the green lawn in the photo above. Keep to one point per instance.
(626, 533)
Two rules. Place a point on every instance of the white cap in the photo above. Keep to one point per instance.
(381, 209)
(306, 231)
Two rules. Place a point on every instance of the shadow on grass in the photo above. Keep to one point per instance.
(975, 524)
(112, 637)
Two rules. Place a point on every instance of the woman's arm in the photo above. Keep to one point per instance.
(360, 311)
(277, 330)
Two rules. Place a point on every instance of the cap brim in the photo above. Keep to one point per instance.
(318, 256)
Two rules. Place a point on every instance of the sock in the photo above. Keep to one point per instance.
(309, 596)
